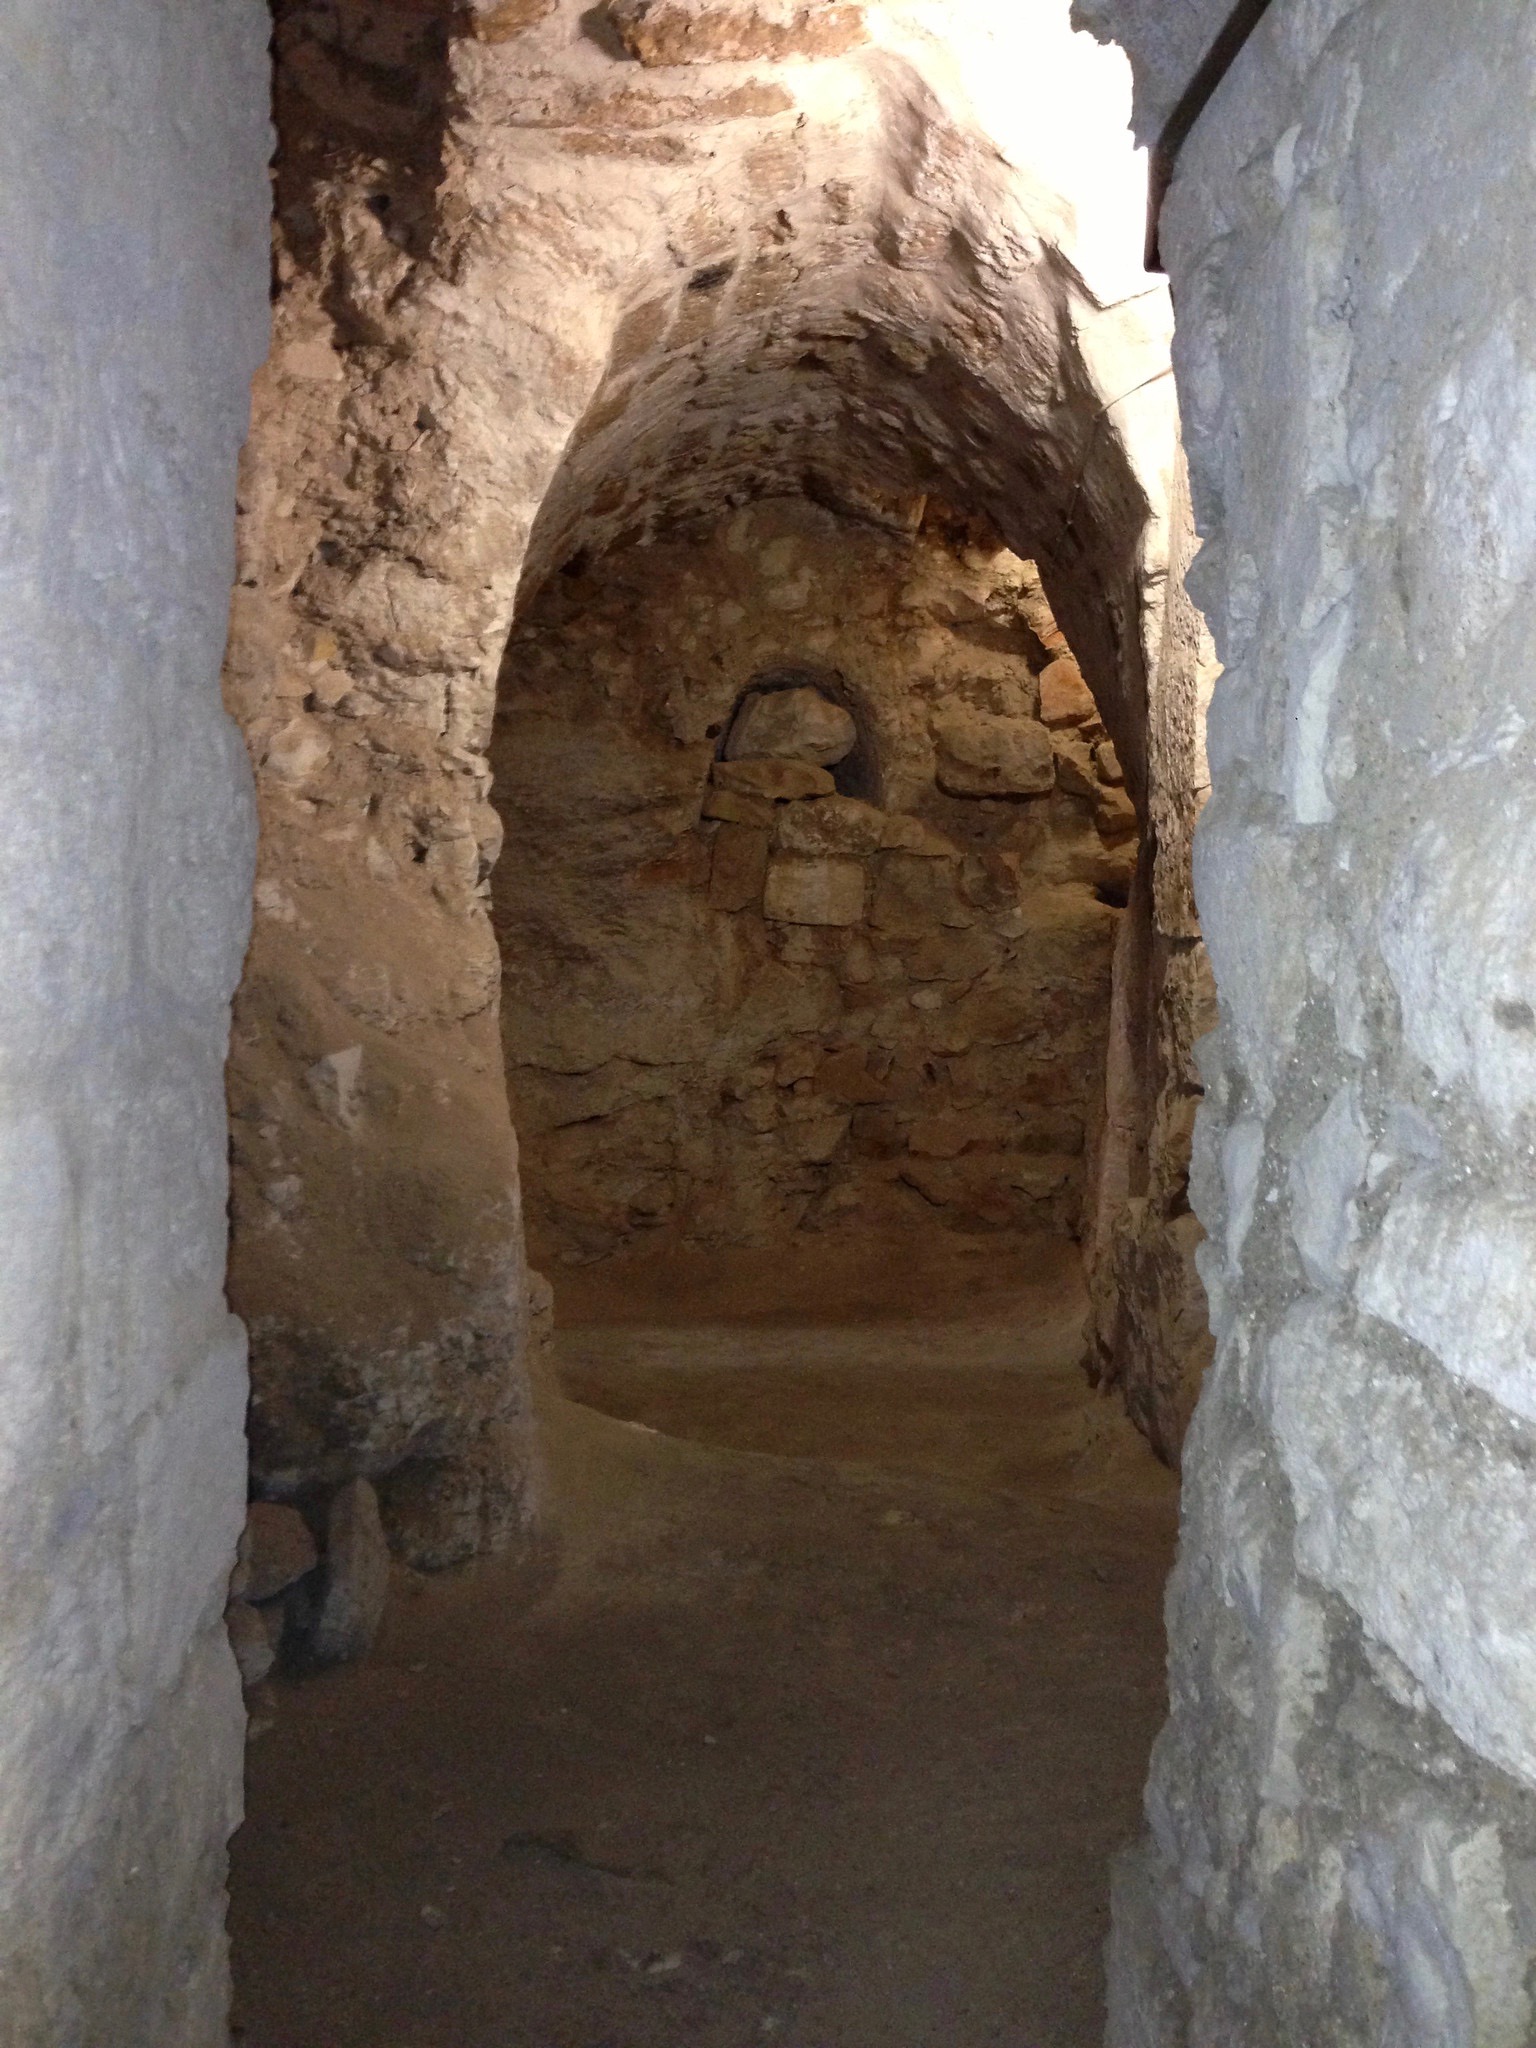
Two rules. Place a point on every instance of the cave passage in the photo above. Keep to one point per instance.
(741, 1625)
(713, 1078)
(838, 1699)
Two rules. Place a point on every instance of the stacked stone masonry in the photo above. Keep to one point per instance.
(1342, 1841)
(808, 918)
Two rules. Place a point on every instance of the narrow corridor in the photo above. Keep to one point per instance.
(831, 1751)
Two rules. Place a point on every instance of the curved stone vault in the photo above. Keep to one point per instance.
(549, 280)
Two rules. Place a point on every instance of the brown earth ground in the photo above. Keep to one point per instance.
(822, 1736)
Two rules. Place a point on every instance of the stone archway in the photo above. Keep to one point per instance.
(541, 296)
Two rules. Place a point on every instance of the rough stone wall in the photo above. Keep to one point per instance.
(727, 1018)
(1149, 1323)
(537, 291)
(1343, 1805)
(133, 261)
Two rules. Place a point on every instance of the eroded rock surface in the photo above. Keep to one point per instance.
(537, 299)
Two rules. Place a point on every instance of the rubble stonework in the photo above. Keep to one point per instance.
(885, 1009)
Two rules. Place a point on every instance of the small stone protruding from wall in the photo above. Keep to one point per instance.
(1075, 770)
(276, 1549)
(444, 1511)
(738, 867)
(903, 834)
(818, 892)
(254, 1636)
(832, 824)
(1065, 699)
(276, 1552)
(354, 1579)
(498, 21)
(735, 807)
(984, 753)
(541, 1325)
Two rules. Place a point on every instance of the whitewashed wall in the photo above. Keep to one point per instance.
(1343, 1805)
(133, 234)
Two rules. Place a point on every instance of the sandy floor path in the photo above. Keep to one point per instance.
(824, 1735)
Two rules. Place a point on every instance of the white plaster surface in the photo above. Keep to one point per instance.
(133, 209)
(1452, 1269)
(1325, 1176)
(1348, 243)
(1458, 934)
(1419, 1521)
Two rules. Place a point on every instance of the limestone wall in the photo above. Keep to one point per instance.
(1343, 1806)
(133, 266)
(871, 995)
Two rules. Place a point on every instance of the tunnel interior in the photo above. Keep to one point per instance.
(741, 670)
(755, 1634)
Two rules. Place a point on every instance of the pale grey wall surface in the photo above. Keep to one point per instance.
(1166, 41)
(133, 231)
(1343, 1806)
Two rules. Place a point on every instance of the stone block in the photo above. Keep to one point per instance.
(991, 1188)
(1004, 1015)
(798, 1063)
(355, 1580)
(856, 497)
(814, 891)
(1065, 699)
(1076, 772)
(738, 867)
(445, 1511)
(253, 1640)
(735, 807)
(833, 824)
(792, 725)
(952, 955)
(667, 32)
(1041, 1176)
(779, 781)
(1115, 814)
(498, 21)
(276, 1548)
(815, 1140)
(943, 1137)
(297, 752)
(981, 753)
(989, 881)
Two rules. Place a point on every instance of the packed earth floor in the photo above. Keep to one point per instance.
(822, 1733)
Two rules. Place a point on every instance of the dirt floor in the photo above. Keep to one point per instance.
(823, 1736)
